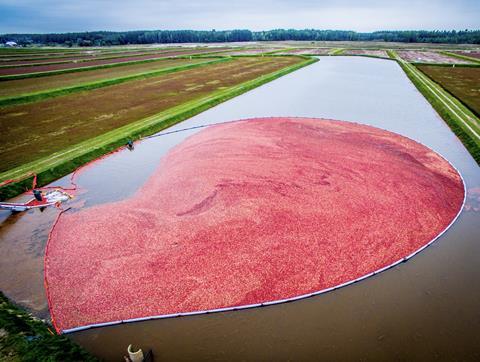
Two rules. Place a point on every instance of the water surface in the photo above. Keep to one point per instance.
(424, 309)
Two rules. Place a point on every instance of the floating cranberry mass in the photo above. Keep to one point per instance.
(250, 212)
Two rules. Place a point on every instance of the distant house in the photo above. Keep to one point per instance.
(11, 44)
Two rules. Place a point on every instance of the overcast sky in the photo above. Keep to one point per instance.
(42, 16)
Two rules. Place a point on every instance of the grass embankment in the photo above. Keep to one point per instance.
(367, 55)
(102, 57)
(21, 87)
(54, 124)
(22, 58)
(36, 50)
(336, 51)
(74, 70)
(25, 338)
(460, 56)
(10, 59)
(65, 161)
(450, 65)
(34, 97)
(279, 51)
(370, 53)
(75, 61)
(458, 117)
(100, 66)
(461, 82)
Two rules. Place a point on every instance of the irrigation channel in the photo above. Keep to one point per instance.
(422, 309)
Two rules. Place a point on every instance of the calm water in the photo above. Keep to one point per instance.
(427, 308)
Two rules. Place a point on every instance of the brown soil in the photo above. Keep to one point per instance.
(251, 51)
(316, 51)
(470, 53)
(71, 59)
(52, 67)
(462, 82)
(429, 57)
(16, 54)
(376, 53)
(76, 52)
(21, 86)
(35, 130)
(86, 57)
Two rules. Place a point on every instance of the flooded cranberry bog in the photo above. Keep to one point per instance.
(421, 308)
(270, 209)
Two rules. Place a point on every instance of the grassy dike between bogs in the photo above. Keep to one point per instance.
(463, 57)
(102, 66)
(336, 51)
(99, 57)
(458, 117)
(50, 93)
(107, 56)
(446, 65)
(67, 55)
(25, 338)
(63, 162)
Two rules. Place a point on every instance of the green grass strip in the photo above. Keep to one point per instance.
(74, 70)
(280, 51)
(392, 54)
(94, 67)
(336, 51)
(50, 93)
(460, 56)
(74, 50)
(20, 65)
(367, 55)
(25, 338)
(475, 112)
(270, 56)
(450, 65)
(91, 59)
(63, 162)
(463, 113)
(37, 50)
(458, 117)
(83, 54)
(75, 61)
(200, 56)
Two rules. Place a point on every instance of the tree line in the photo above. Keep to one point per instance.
(103, 38)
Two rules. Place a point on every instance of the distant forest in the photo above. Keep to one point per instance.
(100, 38)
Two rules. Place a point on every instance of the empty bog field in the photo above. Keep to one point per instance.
(416, 56)
(96, 62)
(254, 51)
(302, 51)
(77, 58)
(54, 124)
(16, 59)
(462, 82)
(250, 212)
(375, 53)
(18, 55)
(90, 56)
(19, 52)
(470, 53)
(11, 88)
